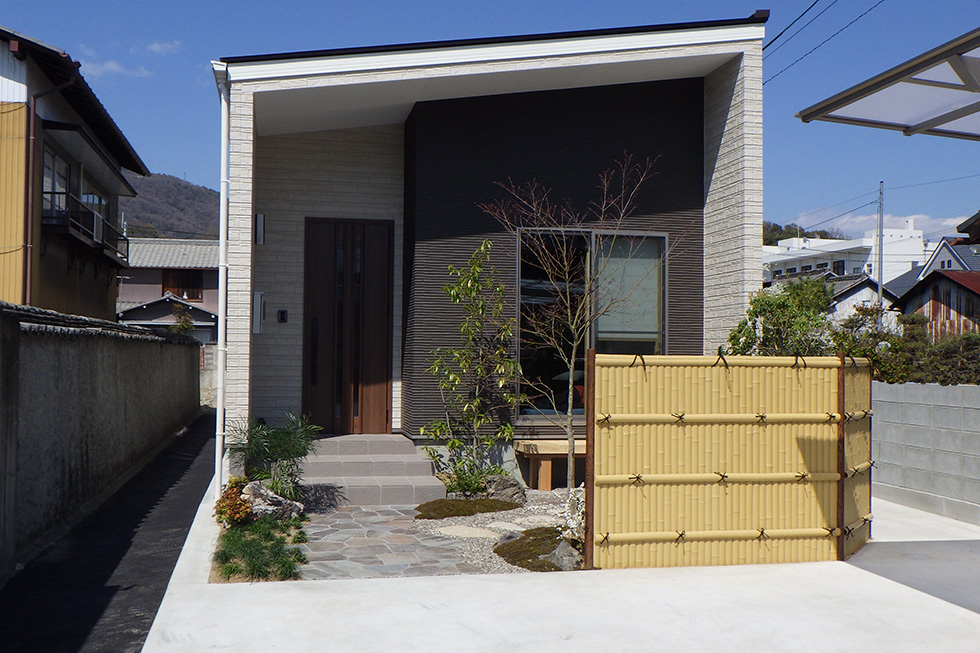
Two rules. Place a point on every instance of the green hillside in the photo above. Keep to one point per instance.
(168, 207)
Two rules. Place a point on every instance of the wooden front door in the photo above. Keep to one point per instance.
(347, 325)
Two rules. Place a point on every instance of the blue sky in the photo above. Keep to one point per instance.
(149, 64)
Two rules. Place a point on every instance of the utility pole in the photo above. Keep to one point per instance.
(881, 250)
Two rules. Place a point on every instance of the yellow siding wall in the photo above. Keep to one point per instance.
(699, 463)
(13, 153)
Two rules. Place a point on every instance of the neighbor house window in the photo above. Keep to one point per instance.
(790, 270)
(807, 268)
(629, 266)
(55, 182)
(821, 266)
(186, 284)
(838, 267)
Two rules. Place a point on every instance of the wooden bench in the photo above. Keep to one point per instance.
(541, 454)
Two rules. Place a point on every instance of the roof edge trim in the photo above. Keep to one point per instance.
(758, 18)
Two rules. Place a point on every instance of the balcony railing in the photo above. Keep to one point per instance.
(66, 212)
(114, 243)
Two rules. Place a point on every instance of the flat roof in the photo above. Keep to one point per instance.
(937, 93)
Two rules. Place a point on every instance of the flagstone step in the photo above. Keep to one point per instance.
(382, 443)
(384, 490)
(372, 470)
(414, 464)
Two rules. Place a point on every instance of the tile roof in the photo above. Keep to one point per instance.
(172, 253)
(904, 282)
(970, 255)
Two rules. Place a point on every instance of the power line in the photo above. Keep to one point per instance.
(799, 30)
(822, 43)
(929, 183)
(840, 215)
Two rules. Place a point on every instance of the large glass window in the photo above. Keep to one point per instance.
(613, 294)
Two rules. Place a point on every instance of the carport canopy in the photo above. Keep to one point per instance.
(936, 93)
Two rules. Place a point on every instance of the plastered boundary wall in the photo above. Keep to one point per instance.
(926, 447)
(81, 410)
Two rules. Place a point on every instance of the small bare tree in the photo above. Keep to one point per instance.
(580, 280)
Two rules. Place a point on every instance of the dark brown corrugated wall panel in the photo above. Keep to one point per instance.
(457, 149)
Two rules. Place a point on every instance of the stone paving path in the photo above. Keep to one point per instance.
(377, 542)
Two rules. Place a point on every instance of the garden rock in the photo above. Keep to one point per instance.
(509, 536)
(266, 502)
(506, 488)
(565, 556)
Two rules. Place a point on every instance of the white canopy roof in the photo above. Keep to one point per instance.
(936, 93)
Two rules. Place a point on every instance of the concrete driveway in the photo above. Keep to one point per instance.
(914, 588)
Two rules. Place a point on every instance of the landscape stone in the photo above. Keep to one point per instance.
(538, 521)
(565, 556)
(266, 502)
(503, 487)
(505, 526)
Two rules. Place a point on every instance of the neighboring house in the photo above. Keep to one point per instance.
(165, 273)
(354, 177)
(853, 290)
(949, 298)
(952, 257)
(903, 249)
(165, 312)
(971, 227)
(847, 292)
(61, 162)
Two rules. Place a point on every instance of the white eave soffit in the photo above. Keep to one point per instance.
(463, 55)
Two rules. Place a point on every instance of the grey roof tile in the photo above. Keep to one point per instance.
(172, 253)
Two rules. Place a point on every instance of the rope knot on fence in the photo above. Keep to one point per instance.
(721, 359)
(722, 476)
(761, 418)
(636, 479)
(679, 417)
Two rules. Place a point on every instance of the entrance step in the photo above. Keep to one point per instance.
(373, 470)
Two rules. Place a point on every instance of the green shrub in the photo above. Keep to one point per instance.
(232, 508)
(275, 453)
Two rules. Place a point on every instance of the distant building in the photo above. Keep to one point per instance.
(949, 298)
(167, 277)
(61, 163)
(903, 249)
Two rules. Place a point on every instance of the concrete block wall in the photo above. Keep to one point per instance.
(733, 193)
(926, 445)
(342, 174)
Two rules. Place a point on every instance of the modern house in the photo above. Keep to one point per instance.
(949, 298)
(903, 249)
(170, 276)
(61, 162)
(351, 180)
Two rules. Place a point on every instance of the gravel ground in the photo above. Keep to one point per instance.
(541, 509)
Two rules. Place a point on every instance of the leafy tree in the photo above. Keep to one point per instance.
(478, 380)
(772, 233)
(791, 321)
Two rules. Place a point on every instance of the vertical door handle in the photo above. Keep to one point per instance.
(314, 350)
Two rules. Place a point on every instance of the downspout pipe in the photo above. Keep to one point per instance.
(221, 77)
(27, 289)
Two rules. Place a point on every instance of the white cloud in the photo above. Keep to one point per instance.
(168, 47)
(932, 228)
(93, 68)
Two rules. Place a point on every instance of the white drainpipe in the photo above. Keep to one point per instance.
(221, 77)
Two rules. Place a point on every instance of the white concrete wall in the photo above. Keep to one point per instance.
(926, 446)
(733, 193)
(344, 174)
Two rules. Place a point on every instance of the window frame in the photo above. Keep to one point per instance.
(592, 235)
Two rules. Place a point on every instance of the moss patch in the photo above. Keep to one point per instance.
(261, 550)
(526, 551)
(442, 508)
